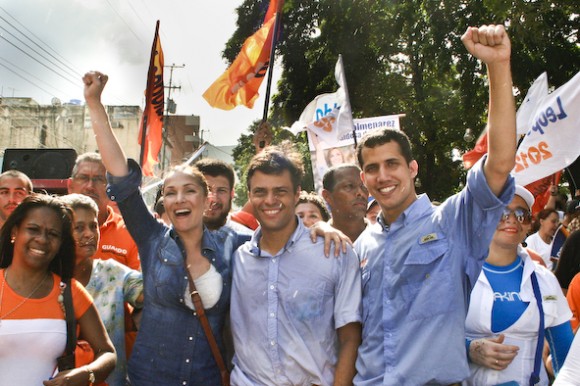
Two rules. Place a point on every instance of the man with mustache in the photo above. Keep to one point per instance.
(15, 186)
(347, 197)
(89, 178)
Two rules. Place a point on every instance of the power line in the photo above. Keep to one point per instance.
(124, 21)
(38, 61)
(20, 76)
(29, 32)
(31, 75)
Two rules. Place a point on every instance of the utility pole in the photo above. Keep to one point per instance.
(169, 108)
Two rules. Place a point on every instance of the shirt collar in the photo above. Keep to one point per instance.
(417, 208)
(255, 241)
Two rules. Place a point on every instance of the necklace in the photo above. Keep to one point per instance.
(22, 302)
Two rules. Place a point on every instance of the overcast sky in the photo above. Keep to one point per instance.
(115, 36)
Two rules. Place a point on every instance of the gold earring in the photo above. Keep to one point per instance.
(12, 240)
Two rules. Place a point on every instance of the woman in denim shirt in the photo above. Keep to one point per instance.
(171, 347)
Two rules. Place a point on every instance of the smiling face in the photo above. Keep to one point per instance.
(335, 157)
(274, 201)
(185, 201)
(37, 239)
(86, 233)
(389, 178)
(510, 232)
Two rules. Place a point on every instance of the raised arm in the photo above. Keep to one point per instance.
(112, 154)
(491, 45)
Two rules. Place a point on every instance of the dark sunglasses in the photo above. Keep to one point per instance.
(522, 215)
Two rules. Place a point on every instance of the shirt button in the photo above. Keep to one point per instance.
(273, 260)
(180, 300)
(184, 383)
(272, 286)
(187, 361)
(272, 314)
(191, 338)
(113, 198)
(194, 313)
(272, 343)
(165, 260)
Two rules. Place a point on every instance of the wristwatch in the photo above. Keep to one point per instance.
(91, 376)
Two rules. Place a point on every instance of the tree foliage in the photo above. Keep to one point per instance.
(407, 57)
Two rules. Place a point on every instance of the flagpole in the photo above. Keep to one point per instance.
(271, 64)
(145, 113)
(346, 96)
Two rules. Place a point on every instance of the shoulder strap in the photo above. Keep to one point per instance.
(535, 376)
(200, 311)
(71, 336)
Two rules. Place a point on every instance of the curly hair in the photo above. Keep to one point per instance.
(316, 200)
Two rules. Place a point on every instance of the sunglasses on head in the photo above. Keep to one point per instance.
(522, 215)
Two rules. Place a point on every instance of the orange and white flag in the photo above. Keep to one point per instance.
(240, 83)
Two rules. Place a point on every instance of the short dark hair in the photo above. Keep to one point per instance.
(276, 159)
(314, 199)
(215, 168)
(329, 179)
(64, 261)
(379, 137)
(13, 173)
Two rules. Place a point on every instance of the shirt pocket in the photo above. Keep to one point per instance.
(306, 300)
(169, 277)
(428, 287)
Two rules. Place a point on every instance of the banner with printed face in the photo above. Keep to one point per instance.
(327, 154)
(552, 141)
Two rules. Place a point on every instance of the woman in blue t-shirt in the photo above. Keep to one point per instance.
(503, 321)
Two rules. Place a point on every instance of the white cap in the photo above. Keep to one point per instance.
(526, 195)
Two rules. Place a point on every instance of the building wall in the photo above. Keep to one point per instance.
(26, 124)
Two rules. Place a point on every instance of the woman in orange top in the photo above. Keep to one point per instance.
(37, 254)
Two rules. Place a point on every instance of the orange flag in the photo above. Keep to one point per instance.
(541, 190)
(239, 84)
(480, 149)
(150, 135)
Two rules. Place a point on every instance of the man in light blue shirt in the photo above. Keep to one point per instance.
(419, 262)
(295, 314)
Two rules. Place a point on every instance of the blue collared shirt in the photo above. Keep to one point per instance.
(417, 274)
(286, 309)
(171, 347)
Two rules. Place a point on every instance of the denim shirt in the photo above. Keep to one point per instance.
(417, 273)
(171, 347)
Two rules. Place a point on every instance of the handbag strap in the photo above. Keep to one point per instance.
(71, 336)
(535, 376)
(200, 311)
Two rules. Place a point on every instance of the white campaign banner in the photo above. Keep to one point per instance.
(325, 155)
(328, 115)
(552, 141)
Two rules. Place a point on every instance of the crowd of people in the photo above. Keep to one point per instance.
(366, 283)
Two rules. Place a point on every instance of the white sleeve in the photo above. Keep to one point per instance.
(570, 373)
